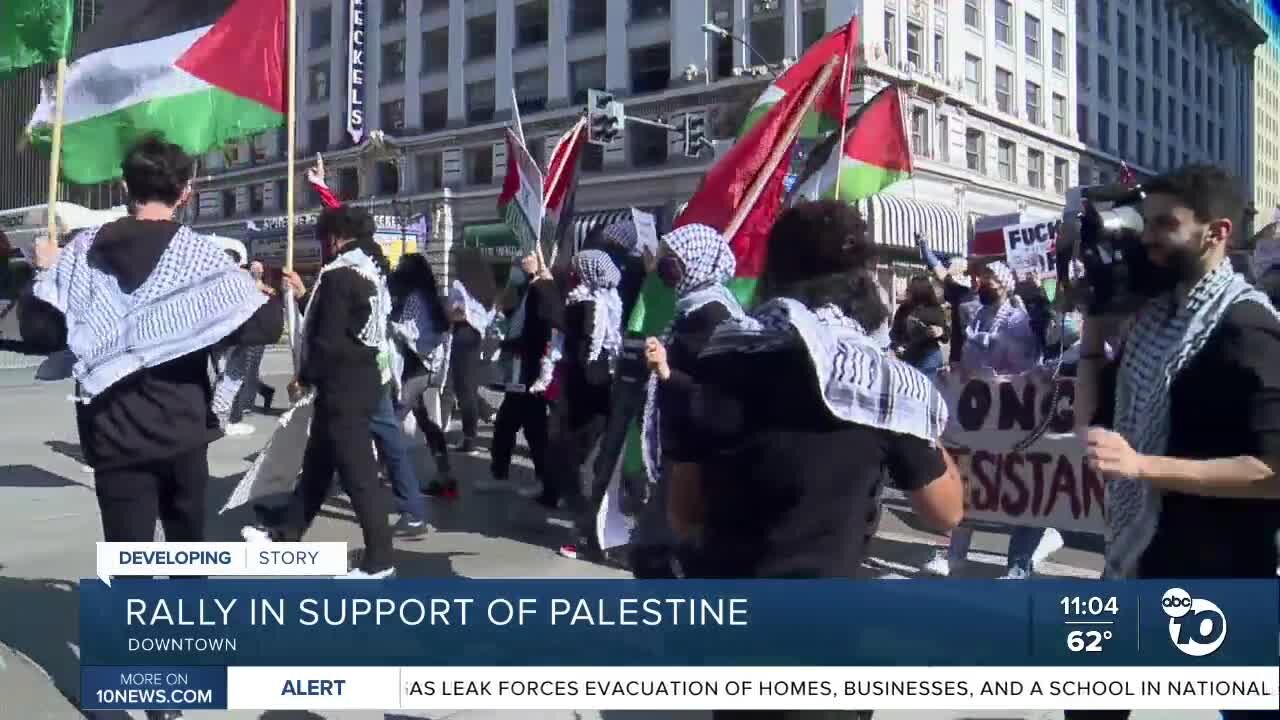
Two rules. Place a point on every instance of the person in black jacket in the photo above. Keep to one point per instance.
(344, 332)
(920, 327)
(144, 414)
(524, 407)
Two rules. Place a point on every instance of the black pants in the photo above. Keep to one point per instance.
(519, 411)
(341, 442)
(415, 390)
(569, 475)
(173, 490)
(464, 371)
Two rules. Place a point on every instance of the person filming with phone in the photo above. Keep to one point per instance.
(1186, 418)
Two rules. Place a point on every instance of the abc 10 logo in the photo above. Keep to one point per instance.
(1197, 627)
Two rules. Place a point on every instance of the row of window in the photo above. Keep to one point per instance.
(1195, 82)
(1208, 138)
(933, 140)
(1179, 30)
(1032, 31)
(1032, 105)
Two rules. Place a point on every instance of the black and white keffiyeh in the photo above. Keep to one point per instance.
(708, 263)
(417, 328)
(374, 332)
(1166, 336)
(623, 235)
(860, 384)
(598, 283)
(1003, 274)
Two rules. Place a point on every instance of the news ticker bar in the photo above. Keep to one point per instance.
(225, 559)
(680, 688)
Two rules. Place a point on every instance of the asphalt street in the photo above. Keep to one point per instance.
(49, 522)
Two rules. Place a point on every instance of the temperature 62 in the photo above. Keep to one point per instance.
(1087, 640)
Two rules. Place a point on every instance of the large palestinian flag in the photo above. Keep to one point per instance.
(198, 72)
(874, 155)
(826, 113)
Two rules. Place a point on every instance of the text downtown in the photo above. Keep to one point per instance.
(182, 644)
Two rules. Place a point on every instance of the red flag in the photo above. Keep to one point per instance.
(1127, 176)
(561, 181)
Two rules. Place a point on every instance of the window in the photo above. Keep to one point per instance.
(975, 151)
(721, 12)
(1122, 140)
(1004, 22)
(1060, 114)
(1082, 15)
(587, 16)
(258, 148)
(349, 183)
(1104, 77)
(1173, 67)
(1199, 84)
(1140, 147)
(973, 14)
(429, 169)
(920, 132)
(767, 32)
(1173, 116)
(1004, 90)
(650, 10)
(1060, 180)
(648, 145)
(1186, 76)
(321, 27)
(532, 22)
(1122, 86)
(1082, 123)
(944, 138)
(318, 82)
(392, 11)
(433, 5)
(393, 62)
(480, 104)
(318, 134)
(1140, 96)
(482, 36)
(1031, 27)
(1155, 56)
(813, 22)
(891, 37)
(281, 190)
(478, 164)
(1140, 45)
(1122, 33)
(1103, 15)
(1035, 168)
(973, 77)
(1155, 154)
(585, 75)
(435, 110)
(650, 68)
(1035, 104)
(388, 178)
(1186, 123)
(1210, 134)
(1082, 64)
(915, 46)
(1060, 5)
(1104, 132)
(228, 203)
(435, 50)
(1005, 159)
(1059, 51)
(1156, 115)
(939, 54)
(531, 90)
(392, 114)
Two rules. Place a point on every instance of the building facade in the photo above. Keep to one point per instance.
(1266, 76)
(1164, 83)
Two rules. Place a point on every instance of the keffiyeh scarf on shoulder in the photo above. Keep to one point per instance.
(193, 298)
(1164, 339)
(859, 383)
(417, 328)
(708, 264)
(599, 279)
(374, 332)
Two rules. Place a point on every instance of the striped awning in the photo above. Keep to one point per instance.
(895, 220)
(585, 223)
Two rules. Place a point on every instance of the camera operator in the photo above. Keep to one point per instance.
(1187, 421)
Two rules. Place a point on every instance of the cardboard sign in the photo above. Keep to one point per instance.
(1031, 249)
(1048, 484)
(646, 231)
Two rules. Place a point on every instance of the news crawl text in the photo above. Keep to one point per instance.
(686, 688)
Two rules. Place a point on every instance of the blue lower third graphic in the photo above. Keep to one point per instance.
(153, 688)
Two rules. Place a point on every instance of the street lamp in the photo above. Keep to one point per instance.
(403, 210)
(714, 29)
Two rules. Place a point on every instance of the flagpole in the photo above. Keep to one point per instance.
(844, 111)
(291, 125)
(55, 151)
(779, 150)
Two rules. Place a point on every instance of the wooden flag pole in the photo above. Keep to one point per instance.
(291, 125)
(844, 113)
(780, 150)
(55, 151)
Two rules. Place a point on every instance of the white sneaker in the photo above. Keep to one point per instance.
(938, 565)
(491, 485)
(359, 574)
(255, 535)
(529, 488)
(1016, 574)
(239, 429)
(86, 469)
(1051, 543)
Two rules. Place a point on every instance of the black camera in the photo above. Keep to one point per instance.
(1102, 235)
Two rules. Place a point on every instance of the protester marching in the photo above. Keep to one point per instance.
(728, 397)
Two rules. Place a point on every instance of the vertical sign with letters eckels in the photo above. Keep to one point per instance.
(355, 73)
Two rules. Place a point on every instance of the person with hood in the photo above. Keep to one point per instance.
(588, 347)
(145, 299)
(695, 262)
(344, 333)
(797, 411)
(421, 327)
(524, 407)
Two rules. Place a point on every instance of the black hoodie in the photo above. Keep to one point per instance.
(163, 411)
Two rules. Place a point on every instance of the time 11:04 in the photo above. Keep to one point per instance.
(1090, 605)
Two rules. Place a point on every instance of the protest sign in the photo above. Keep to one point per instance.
(1047, 484)
(1031, 249)
(646, 231)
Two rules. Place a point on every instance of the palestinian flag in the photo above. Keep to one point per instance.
(197, 72)
(520, 202)
(831, 106)
(561, 188)
(875, 154)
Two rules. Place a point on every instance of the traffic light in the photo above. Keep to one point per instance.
(695, 133)
(605, 117)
